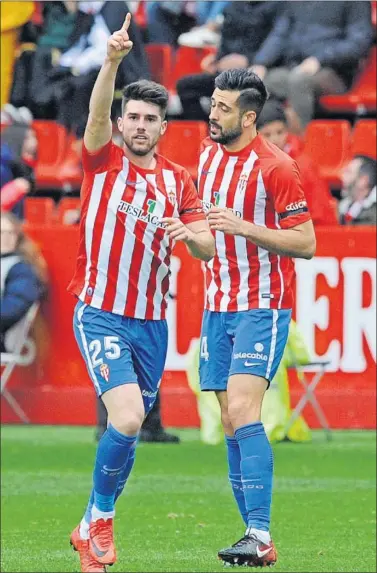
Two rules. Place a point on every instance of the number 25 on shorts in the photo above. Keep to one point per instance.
(111, 346)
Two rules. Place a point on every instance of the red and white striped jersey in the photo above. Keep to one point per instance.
(260, 184)
(123, 262)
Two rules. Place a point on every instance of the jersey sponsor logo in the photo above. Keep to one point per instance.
(252, 355)
(139, 213)
(149, 394)
(207, 206)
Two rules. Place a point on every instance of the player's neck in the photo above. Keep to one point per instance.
(143, 161)
(243, 141)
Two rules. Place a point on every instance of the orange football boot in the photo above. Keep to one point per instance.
(88, 564)
(101, 541)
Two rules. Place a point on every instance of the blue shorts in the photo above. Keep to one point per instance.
(119, 350)
(245, 342)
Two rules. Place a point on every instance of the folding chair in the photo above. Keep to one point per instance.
(22, 353)
(319, 368)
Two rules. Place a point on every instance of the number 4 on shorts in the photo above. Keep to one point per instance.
(204, 349)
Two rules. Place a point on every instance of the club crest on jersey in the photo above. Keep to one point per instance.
(242, 183)
(104, 371)
(172, 198)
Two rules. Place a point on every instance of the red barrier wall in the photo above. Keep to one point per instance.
(335, 308)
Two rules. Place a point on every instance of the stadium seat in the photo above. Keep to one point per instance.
(374, 14)
(66, 204)
(364, 137)
(181, 143)
(52, 145)
(160, 59)
(39, 210)
(188, 61)
(362, 96)
(328, 143)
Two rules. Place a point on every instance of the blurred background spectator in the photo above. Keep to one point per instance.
(209, 16)
(24, 276)
(273, 125)
(358, 206)
(314, 48)
(19, 146)
(245, 28)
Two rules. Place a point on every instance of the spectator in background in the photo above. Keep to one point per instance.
(358, 206)
(272, 124)
(167, 20)
(209, 16)
(314, 48)
(70, 52)
(19, 146)
(23, 275)
(245, 28)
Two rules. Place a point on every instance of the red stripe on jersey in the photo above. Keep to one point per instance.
(216, 261)
(230, 241)
(165, 283)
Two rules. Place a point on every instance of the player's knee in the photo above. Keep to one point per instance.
(242, 411)
(127, 422)
(226, 423)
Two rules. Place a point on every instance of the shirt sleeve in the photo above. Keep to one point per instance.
(97, 161)
(288, 195)
(190, 208)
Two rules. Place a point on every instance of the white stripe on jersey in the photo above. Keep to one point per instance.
(202, 160)
(94, 201)
(275, 316)
(108, 234)
(263, 256)
(146, 263)
(128, 247)
(171, 187)
(241, 242)
(220, 241)
(279, 268)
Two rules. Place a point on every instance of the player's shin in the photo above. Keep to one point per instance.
(125, 473)
(234, 467)
(112, 455)
(257, 474)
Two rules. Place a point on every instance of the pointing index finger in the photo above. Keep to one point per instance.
(127, 22)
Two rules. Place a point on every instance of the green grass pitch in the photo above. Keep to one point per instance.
(177, 509)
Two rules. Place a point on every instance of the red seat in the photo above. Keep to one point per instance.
(374, 14)
(181, 143)
(66, 204)
(160, 61)
(328, 144)
(362, 96)
(39, 210)
(52, 145)
(188, 61)
(364, 138)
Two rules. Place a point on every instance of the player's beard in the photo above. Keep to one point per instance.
(141, 152)
(225, 137)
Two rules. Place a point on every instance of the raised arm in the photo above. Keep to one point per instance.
(98, 128)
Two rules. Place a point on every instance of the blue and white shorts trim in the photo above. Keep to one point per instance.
(245, 342)
(121, 350)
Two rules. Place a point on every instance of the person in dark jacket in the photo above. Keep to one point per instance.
(245, 28)
(314, 48)
(23, 275)
(19, 148)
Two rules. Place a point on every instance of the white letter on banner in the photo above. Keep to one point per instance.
(312, 312)
(358, 321)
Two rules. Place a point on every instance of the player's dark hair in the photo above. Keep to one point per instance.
(150, 92)
(253, 94)
(368, 167)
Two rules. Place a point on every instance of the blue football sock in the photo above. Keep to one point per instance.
(112, 455)
(123, 477)
(256, 470)
(234, 463)
(125, 473)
